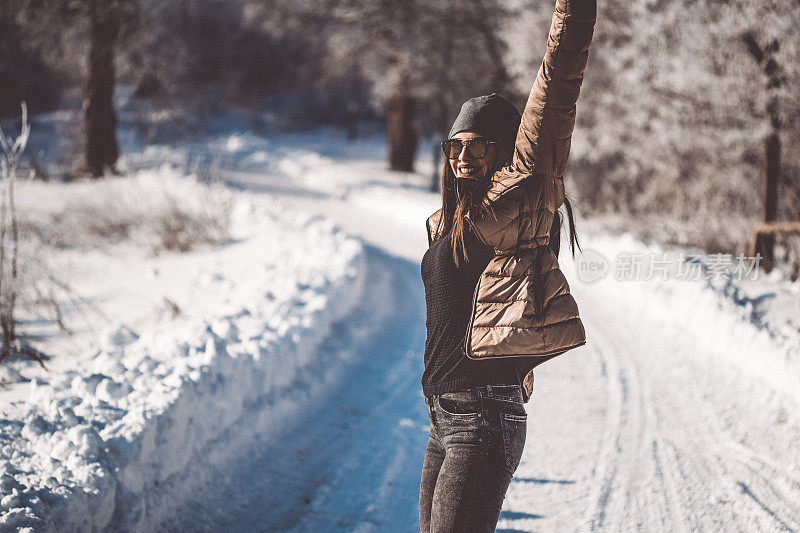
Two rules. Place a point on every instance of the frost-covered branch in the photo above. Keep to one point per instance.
(11, 150)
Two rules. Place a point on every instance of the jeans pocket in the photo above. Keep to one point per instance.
(459, 404)
(512, 410)
(514, 425)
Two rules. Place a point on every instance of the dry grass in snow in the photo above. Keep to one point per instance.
(160, 209)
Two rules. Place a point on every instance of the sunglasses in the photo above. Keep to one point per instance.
(476, 148)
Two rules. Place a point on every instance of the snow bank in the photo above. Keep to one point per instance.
(749, 322)
(121, 438)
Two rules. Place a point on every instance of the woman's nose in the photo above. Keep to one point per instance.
(464, 154)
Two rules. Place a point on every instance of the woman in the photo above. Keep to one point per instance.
(497, 303)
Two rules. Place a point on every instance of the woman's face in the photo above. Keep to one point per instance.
(468, 167)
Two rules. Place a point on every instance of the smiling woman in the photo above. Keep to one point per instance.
(497, 302)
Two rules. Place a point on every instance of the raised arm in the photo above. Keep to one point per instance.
(543, 139)
(544, 135)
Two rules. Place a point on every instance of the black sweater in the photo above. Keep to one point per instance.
(448, 297)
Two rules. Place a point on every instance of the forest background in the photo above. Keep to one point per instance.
(683, 105)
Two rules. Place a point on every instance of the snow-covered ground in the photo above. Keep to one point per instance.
(172, 355)
(284, 393)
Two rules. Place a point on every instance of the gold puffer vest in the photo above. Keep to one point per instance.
(522, 305)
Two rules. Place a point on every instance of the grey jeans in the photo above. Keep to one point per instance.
(475, 444)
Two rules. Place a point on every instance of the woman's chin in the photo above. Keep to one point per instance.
(475, 176)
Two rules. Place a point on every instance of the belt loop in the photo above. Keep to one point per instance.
(488, 390)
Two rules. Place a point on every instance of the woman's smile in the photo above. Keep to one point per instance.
(467, 171)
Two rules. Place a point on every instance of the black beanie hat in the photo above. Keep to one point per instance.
(491, 116)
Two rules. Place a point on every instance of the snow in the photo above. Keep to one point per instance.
(270, 381)
(93, 442)
(749, 321)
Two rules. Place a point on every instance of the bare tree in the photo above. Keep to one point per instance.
(10, 153)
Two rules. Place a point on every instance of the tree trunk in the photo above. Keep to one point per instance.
(764, 56)
(436, 175)
(100, 119)
(402, 132)
(765, 243)
(442, 100)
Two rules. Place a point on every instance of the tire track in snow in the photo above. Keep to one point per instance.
(710, 470)
(631, 456)
(719, 475)
(692, 453)
(742, 461)
(605, 469)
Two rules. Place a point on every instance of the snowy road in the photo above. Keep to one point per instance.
(647, 427)
(353, 459)
(637, 431)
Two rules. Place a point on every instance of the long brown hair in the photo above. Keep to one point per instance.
(457, 203)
